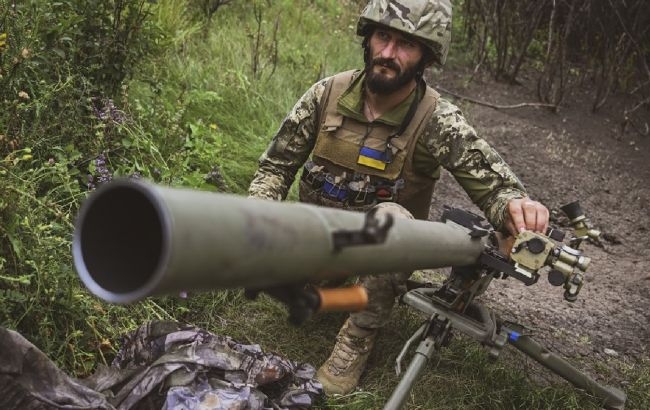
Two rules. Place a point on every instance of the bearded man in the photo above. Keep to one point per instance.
(381, 135)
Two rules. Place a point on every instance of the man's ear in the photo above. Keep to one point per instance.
(425, 62)
(428, 58)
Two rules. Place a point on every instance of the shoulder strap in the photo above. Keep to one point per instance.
(418, 120)
(333, 90)
(427, 105)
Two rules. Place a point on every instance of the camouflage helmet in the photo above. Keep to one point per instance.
(427, 20)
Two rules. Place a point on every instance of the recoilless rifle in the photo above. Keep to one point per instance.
(134, 239)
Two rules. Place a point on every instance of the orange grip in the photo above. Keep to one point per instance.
(505, 244)
(352, 298)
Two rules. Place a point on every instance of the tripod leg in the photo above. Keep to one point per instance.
(612, 397)
(423, 354)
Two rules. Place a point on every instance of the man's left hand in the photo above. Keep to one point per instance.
(524, 214)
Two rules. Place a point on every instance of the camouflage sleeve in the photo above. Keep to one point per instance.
(289, 148)
(478, 168)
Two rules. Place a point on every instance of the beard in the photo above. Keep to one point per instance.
(377, 83)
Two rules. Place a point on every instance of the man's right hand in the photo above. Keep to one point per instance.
(525, 214)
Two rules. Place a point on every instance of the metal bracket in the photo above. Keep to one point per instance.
(372, 232)
(466, 219)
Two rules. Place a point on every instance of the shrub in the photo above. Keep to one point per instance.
(62, 67)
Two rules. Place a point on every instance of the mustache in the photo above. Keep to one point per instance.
(386, 62)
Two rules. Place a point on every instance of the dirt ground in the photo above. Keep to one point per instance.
(572, 155)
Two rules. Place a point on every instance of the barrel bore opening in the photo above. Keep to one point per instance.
(122, 239)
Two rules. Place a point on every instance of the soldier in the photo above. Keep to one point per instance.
(381, 135)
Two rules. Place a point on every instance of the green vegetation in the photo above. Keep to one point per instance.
(168, 91)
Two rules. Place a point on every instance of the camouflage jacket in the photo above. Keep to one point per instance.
(448, 142)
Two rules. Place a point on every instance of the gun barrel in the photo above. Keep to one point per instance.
(135, 239)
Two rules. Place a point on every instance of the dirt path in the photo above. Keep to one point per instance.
(573, 155)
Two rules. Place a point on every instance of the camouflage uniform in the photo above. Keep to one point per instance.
(448, 141)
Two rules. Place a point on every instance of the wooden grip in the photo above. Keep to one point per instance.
(351, 299)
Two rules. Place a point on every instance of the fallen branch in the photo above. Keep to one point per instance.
(636, 107)
(496, 106)
(629, 120)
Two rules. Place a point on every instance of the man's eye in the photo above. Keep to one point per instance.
(382, 35)
(408, 44)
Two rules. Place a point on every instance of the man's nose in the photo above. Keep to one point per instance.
(389, 49)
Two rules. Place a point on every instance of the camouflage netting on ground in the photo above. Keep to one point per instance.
(161, 365)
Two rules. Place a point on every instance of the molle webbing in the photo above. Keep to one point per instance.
(342, 146)
(340, 139)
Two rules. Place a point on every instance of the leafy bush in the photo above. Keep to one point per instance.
(62, 65)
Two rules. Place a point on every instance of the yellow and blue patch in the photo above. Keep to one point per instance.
(372, 158)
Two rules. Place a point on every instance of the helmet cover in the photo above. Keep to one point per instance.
(429, 21)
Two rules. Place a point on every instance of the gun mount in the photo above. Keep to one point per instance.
(452, 307)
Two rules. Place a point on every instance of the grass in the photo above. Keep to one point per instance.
(209, 86)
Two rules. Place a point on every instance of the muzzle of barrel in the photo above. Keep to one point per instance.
(122, 241)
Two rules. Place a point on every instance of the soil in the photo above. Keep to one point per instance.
(574, 154)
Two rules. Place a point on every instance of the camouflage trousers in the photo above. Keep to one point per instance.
(382, 289)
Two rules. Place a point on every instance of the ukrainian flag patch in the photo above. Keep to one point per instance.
(371, 158)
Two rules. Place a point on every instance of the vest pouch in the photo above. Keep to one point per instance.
(388, 191)
(361, 193)
(313, 175)
(335, 188)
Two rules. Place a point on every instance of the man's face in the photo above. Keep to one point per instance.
(394, 61)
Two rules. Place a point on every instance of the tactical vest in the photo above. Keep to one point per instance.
(345, 170)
